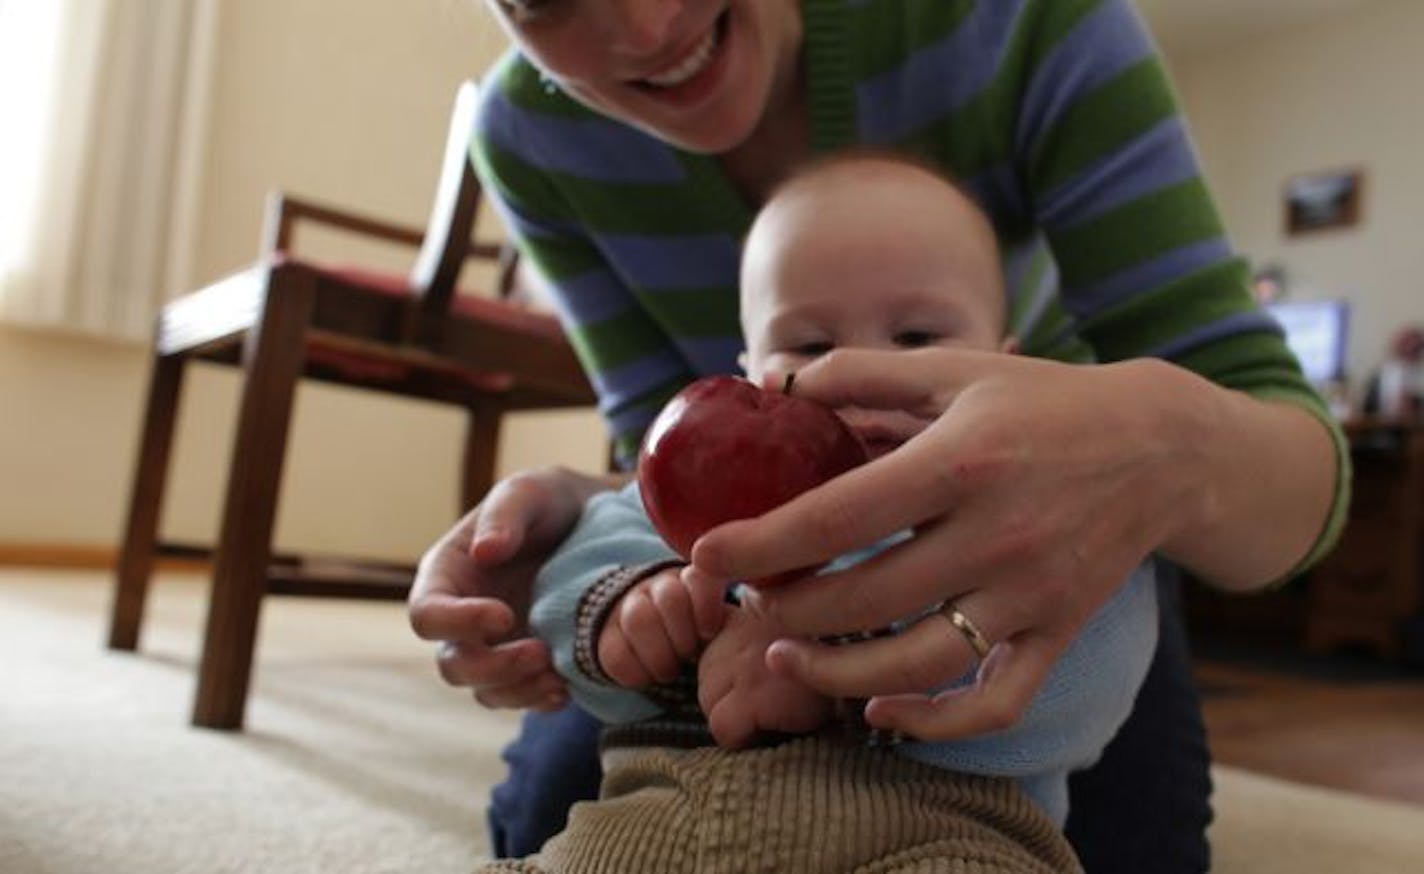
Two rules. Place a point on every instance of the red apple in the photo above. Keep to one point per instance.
(724, 449)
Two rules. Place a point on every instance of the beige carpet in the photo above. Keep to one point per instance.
(356, 759)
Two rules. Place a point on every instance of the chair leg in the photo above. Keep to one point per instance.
(272, 361)
(145, 501)
(481, 451)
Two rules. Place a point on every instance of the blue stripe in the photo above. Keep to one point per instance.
(712, 355)
(1044, 292)
(1159, 158)
(999, 192)
(679, 262)
(619, 386)
(526, 227)
(593, 148)
(629, 422)
(1239, 323)
(1018, 261)
(1103, 44)
(592, 297)
(1088, 301)
(940, 78)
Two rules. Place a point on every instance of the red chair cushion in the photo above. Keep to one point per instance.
(360, 366)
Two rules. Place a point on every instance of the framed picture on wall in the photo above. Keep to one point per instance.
(1320, 201)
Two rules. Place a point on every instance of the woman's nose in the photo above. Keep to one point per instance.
(641, 27)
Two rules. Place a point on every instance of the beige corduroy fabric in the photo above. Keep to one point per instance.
(811, 806)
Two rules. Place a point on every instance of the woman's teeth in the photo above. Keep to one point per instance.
(690, 66)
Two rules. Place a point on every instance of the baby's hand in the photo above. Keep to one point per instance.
(656, 626)
(741, 696)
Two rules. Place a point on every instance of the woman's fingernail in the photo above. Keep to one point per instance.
(781, 656)
(750, 600)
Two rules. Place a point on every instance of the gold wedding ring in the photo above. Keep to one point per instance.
(965, 626)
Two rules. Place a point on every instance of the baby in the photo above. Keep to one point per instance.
(864, 251)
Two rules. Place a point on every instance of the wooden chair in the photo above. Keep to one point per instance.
(285, 319)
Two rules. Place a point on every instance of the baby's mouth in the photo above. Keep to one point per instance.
(881, 431)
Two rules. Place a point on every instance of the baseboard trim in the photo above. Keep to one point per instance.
(78, 556)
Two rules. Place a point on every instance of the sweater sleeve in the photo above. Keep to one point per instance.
(530, 148)
(579, 580)
(1113, 180)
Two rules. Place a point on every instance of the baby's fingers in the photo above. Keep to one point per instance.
(709, 601)
(618, 660)
(674, 605)
(731, 723)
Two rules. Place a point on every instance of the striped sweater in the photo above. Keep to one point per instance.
(1056, 115)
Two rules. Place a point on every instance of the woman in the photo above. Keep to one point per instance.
(628, 143)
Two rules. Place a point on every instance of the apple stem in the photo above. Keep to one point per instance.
(788, 382)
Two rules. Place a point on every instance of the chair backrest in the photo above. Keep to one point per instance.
(447, 240)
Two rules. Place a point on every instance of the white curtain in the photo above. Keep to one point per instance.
(104, 108)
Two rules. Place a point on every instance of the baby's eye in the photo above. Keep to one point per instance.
(813, 349)
(916, 339)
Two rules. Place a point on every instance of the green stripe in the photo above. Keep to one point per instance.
(993, 113)
(603, 207)
(522, 84)
(617, 341)
(1154, 319)
(943, 140)
(1049, 22)
(701, 312)
(1101, 122)
(1136, 232)
(520, 184)
(891, 30)
(627, 445)
(1253, 363)
(563, 258)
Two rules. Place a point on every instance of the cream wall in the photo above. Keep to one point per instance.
(344, 101)
(1342, 91)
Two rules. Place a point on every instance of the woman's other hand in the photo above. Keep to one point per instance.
(1034, 493)
(472, 588)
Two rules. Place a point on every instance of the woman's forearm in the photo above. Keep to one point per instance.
(1258, 477)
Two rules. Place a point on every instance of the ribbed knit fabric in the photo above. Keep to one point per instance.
(1055, 114)
(811, 806)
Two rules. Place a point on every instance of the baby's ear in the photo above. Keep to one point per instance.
(1009, 345)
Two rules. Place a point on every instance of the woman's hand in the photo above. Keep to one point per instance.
(1036, 490)
(472, 588)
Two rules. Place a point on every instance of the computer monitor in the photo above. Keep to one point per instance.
(1317, 331)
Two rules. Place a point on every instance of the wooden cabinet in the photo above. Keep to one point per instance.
(1368, 592)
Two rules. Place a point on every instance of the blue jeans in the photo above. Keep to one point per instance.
(1144, 807)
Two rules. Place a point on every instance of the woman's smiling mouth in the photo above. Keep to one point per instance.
(687, 76)
(692, 64)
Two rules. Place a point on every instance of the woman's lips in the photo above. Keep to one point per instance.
(692, 63)
(696, 74)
